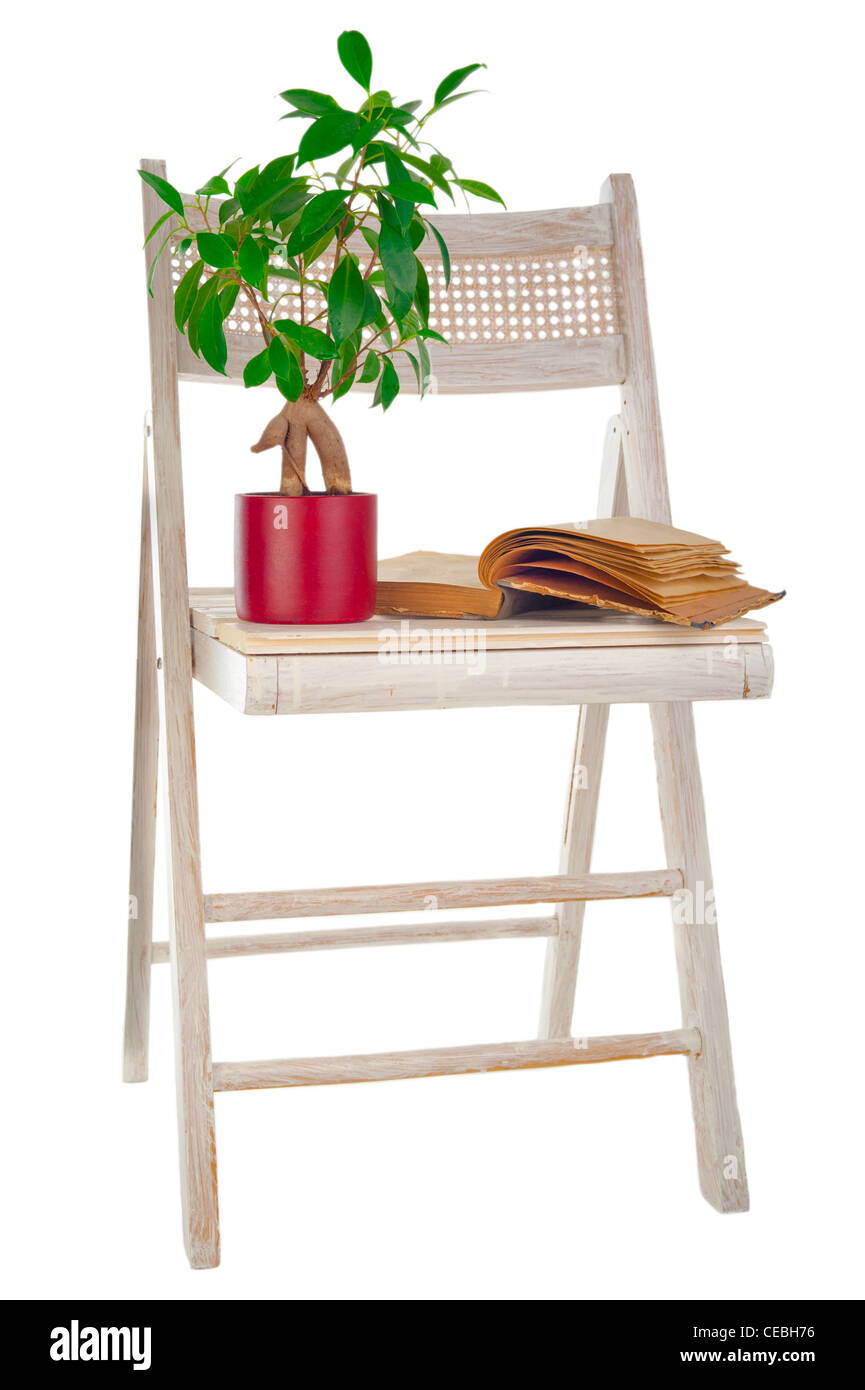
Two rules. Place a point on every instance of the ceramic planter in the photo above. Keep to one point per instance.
(305, 559)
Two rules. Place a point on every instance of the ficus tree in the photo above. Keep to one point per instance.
(266, 235)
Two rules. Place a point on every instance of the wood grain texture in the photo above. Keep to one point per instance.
(612, 675)
(645, 462)
(248, 684)
(213, 614)
(562, 958)
(177, 748)
(613, 486)
(551, 231)
(720, 1150)
(142, 855)
(563, 951)
(451, 1061)
(438, 895)
(430, 933)
(361, 683)
(463, 369)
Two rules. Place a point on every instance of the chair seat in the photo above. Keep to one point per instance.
(555, 657)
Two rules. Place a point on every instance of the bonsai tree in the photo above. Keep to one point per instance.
(266, 238)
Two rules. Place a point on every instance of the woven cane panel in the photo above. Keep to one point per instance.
(518, 300)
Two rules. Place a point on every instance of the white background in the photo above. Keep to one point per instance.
(740, 126)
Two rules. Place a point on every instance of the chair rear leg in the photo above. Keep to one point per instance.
(720, 1151)
(143, 846)
(563, 951)
(193, 1061)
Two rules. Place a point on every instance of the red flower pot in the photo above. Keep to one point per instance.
(305, 559)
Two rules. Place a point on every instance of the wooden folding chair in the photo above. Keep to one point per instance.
(546, 300)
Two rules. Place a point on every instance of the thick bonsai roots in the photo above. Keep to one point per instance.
(298, 422)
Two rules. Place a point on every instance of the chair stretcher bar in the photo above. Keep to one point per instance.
(410, 897)
(412, 933)
(451, 1061)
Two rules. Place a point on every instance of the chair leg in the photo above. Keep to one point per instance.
(179, 809)
(563, 950)
(193, 1069)
(142, 852)
(187, 953)
(720, 1151)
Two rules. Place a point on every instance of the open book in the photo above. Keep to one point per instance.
(626, 563)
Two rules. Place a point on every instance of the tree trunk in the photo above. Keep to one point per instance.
(295, 423)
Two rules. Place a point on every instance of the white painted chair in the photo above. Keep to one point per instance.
(561, 304)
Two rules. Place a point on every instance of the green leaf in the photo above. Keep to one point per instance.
(308, 102)
(328, 135)
(227, 210)
(320, 212)
(345, 366)
(389, 383)
(257, 369)
(421, 293)
(292, 384)
(311, 250)
(370, 237)
(480, 190)
(412, 191)
(453, 80)
(398, 302)
(345, 299)
(278, 169)
(213, 186)
(211, 338)
(288, 202)
(366, 132)
(228, 299)
(167, 192)
(216, 249)
(459, 96)
(279, 357)
(401, 115)
(416, 365)
(158, 223)
(252, 261)
(425, 366)
(310, 340)
(397, 255)
(344, 386)
(371, 367)
(433, 171)
(243, 188)
(371, 305)
(271, 191)
(355, 56)
(317, 221)
(396, 170)
(155, 261)
(445, 254)
(416, 232)
(205, 293)
(184, 295)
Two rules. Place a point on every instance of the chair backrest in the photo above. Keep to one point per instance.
(537, 301)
